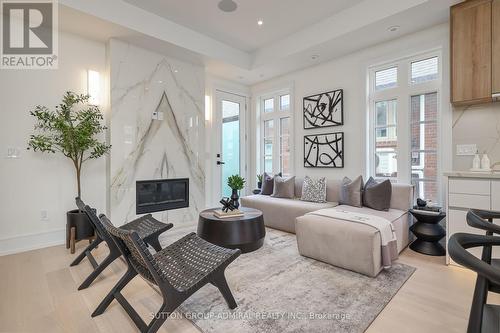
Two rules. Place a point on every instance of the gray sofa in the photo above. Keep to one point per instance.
(341, 243)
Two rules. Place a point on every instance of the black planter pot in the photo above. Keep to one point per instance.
(235, 198)
(79, 220)
(259, 185)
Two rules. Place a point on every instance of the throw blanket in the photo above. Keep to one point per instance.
(385, 228)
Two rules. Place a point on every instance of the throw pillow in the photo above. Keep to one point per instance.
(377, 195)
(284, 187)
(314, 189)
(351, 192)
(268, 184)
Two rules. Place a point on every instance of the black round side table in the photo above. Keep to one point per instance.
(428, 232)
(245, 232)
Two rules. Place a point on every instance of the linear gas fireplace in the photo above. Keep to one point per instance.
(163, 194)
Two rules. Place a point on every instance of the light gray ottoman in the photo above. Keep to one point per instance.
(344, 244)
(349, 245)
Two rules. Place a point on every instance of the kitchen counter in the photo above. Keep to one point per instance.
(470, 174)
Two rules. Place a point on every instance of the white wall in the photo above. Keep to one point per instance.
(36, 181)
(350, 73)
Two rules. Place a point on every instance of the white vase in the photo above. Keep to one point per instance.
(485, 162)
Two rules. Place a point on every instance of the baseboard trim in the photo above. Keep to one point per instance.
(32, 241)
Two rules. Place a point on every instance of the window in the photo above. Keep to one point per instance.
(276, 128)
(268, 145)
(284, 102)
(269, 105)
(386, 78)
(386, 139)
(424, 153)
(285, 145)
(404, 123)
(424, 70)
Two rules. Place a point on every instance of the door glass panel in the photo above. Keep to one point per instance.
(285, 146)
(386, 139)
(268, 145)
(230, 143)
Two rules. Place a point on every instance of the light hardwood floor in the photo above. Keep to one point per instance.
(38, 293)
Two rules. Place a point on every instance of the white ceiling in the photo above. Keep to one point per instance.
(232, 46)
(239, 28)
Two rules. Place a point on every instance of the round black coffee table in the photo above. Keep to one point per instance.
(428, 232)
(246, 232)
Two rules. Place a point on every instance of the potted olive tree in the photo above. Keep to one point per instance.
(236, 183)
(71, 129)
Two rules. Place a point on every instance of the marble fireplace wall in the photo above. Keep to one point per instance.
(480, 125)
(142, 83)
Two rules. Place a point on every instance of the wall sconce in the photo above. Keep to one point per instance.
(94, 87)
(208, 108)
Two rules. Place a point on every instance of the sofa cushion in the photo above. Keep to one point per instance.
(284, 187)
(351, 192)
(280, 213)
(332, 189)
(268, 183)
(377, 195)
(314, 190)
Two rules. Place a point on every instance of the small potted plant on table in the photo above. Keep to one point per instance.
(236, 183)
(259, 181)
(72, 130)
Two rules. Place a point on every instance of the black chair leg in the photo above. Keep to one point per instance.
(126, 278)
(155, 243)
(160, 317)
(98, 270)
(221, 283)
(89, 248)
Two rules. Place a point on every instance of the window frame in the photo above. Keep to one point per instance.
(276, 116)
(403, 93)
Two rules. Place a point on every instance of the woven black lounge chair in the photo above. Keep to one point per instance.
(146, 226)
(179, 270)
(483, 318)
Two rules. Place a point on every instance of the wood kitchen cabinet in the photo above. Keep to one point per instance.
(495, 37)
(471, 52)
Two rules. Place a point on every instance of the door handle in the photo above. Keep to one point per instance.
(220, 162)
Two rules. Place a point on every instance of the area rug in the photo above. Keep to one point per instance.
(278, 290)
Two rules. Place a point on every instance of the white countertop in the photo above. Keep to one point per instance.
(470, 174)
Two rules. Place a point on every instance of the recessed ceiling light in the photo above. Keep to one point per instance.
(160, 81)
(227, 6)
(176, 71)
(314, 56)
(260, 22)
(393, 28)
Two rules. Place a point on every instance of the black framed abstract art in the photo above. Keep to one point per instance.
(324, 150)
(324, 110)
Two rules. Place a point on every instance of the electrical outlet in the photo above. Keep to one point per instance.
(44, 215)
(13, 152)
(466, 150)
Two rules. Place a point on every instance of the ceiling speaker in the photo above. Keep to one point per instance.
(227, 6)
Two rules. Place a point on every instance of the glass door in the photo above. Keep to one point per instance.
(230, 158)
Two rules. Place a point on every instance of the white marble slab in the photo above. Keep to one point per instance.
(143, 82)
